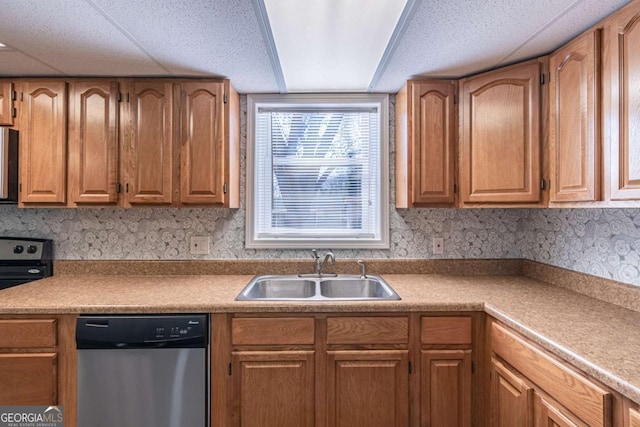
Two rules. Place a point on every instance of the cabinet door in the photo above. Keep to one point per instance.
(634, 418)
(425, 166)
(511, 399)
(500, 145)
(574, 133)
(93, 142)
(445, 388)
(149, 146)
(43, 142)
(622, 102)
(367, 388)
(28, 379)
(548, 415)
(7, 96)
(202, 158)
(273, 388)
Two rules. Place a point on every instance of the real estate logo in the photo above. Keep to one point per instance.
(31, 416)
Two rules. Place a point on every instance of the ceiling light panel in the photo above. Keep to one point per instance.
(331, 45)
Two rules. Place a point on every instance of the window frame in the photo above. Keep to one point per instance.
(378, 101)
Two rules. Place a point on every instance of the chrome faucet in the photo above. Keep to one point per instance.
(328, 257)
(319, 266)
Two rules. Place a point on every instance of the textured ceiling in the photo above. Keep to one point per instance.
(223, 38)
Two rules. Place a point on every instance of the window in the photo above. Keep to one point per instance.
(317, 171)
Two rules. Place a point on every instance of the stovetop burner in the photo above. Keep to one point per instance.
(24, 260)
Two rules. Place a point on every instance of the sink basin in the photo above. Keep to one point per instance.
(274, 288)
(325, 288)
(368, 288)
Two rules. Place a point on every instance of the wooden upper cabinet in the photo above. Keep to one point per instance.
(426, 143)
(150, 143)
(93, 142)
(202, 149)
(574, 131)
(43, 142)
(7, 97)
(501, 145)
(621, 73)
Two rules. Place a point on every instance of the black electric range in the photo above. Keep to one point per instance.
(24, 260)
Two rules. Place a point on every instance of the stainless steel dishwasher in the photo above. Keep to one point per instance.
(143, 371)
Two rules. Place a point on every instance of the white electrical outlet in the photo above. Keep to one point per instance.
(199, 245)
(438, 245)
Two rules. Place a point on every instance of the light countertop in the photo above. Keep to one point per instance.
(600, 338)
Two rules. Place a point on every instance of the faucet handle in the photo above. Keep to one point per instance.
(314, 254)
(363, 269)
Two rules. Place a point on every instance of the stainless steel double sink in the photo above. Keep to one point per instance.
(324, 288)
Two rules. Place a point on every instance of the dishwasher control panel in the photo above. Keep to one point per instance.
(140, 331)
(168, 328)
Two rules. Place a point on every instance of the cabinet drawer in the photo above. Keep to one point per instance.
(367, 330)
(19, 333)
(265, 331)
(577, 393)
(446, 330)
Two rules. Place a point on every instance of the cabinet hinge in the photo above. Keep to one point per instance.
(126, 187)
(224, 188)
(473, 367)
(21, 96)
(14, 113)
(225, 98)
(455, 99)
(119, 97)
(410, 368)
(229, 369)
(14, 95)
(127, 96)
(455, 188)
(545, 78)
(118, 188)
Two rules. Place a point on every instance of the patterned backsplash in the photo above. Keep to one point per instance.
(602, 242)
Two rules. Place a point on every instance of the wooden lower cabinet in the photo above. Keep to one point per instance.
(38, 362)
(368, 388)
(28, 379)
(445, 388)
(273, 388)
(563, 396)
(350, 370)
(511, 398)
(548, 414)
(634, 417)
(28, 362)
(446, 362)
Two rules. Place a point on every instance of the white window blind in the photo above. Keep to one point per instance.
(318, 176)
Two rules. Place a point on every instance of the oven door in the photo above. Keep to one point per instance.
(12, 275)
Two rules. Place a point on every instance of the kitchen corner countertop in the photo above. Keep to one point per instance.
(600, 338)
